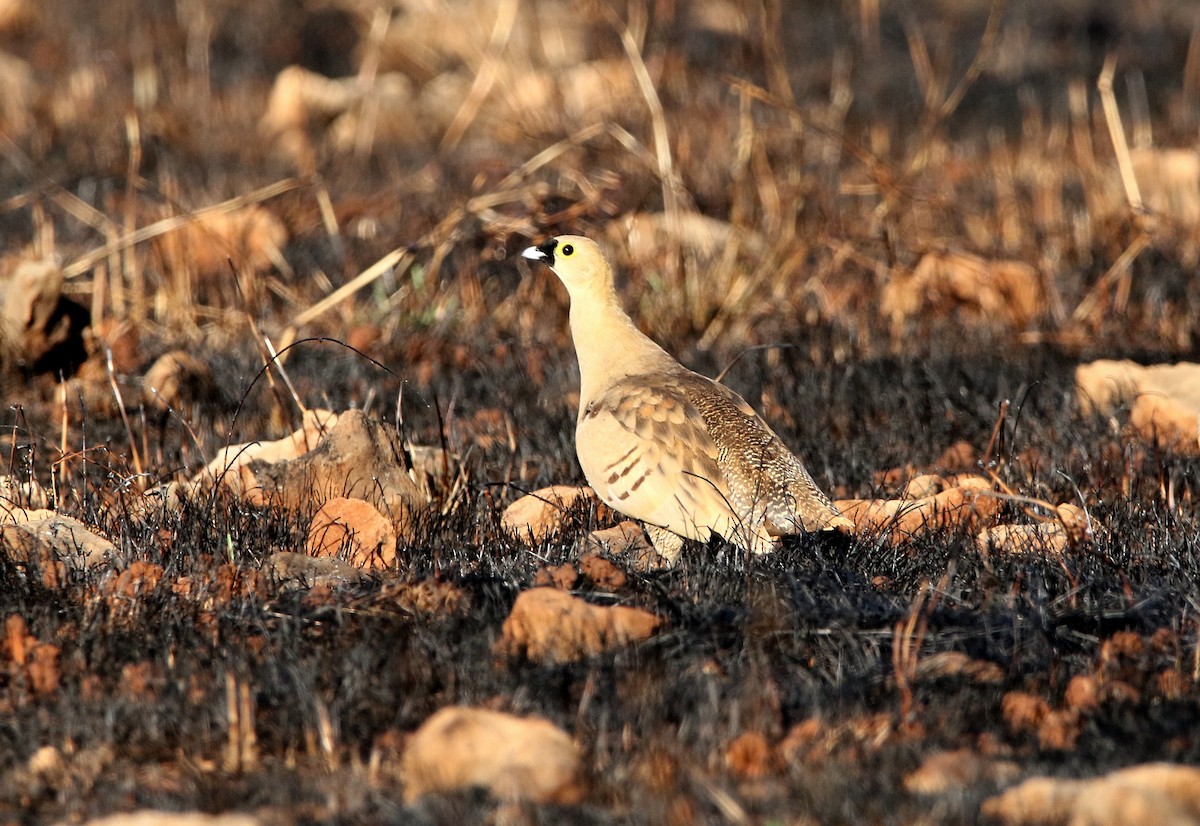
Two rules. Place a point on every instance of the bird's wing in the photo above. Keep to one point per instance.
(768, 485)
(647, 451)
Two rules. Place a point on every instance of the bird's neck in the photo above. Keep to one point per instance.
(609, 346)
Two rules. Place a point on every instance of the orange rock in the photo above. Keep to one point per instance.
(871, 729)
(1075, 520)
(656, 768)
(1170, 684)
(964, 503)
(1059, 730)
(625, 538)
(121, 339)
(514, 758)
(1023, 711)
(490, 427)
(1170, 423)
(1165, 641)
(52, 538)
(292, 570)
(359, 457)
(356, 526)
(750, 756)
(54, 574)
(549, 625)
(959, 457)
(1083, 693)
(204, 244)
(47, 762)
(894, 477)
(944, 772)
(39, 327)
(1044, 537)
(1102, 385)
(301, 99)
(927, 484)
(1120, 655)
(426, 597)
(139, 578)
(1119, 691)
(957, 664)
(19, 16)
(178, 380)
(1166, 399)
(562, 577)
(17, 640)
(363, 336)
(16, 495)
(138, 679)
(538, 515)
(1150, 793)
(231, 465)
(152, 817)
(1169, 180)
(646, 234)
(1007, 292)
(873, 514)
(682, 812)
(601, 572)
(802, 742)
(43, 668)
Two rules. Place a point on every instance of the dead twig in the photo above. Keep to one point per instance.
(997, 435)
(112, 382)
(241, 745)
(1091, 302)
(1116, 132)
(908, 636)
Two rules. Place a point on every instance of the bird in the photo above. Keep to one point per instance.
(680, 452)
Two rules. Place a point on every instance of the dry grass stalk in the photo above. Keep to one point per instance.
(907, 638)
(979, 63)
(135, 455)
(241, 745)
(124, 242)
(667, 174)
(367, 71)
(132, 272)
(398, 259)
(485, 78)
(1091, 304)
(59, 468)
(326, 734)
(509, 190)
(1116, 131)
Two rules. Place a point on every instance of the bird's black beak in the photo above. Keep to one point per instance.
(542, 252)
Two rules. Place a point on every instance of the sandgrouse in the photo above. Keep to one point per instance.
(685, 455)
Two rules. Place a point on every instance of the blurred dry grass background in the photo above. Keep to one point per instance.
(758, 169)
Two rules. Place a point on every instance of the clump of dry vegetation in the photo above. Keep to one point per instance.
(277, 390)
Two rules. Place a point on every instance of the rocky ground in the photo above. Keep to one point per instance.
(292, 524)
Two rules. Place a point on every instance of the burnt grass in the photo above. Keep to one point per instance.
(805, 648)
(756, 645)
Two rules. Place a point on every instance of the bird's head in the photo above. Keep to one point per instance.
(577, 261)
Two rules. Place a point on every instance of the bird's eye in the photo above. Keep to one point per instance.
(568, 249)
